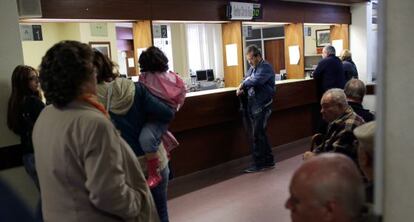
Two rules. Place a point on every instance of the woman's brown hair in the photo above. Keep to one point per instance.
(105, 68)
(64, 69)
(20, 90)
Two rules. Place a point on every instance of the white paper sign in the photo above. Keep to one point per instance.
(131, 63)
(294, 54)
(231, 55)
(338, 45)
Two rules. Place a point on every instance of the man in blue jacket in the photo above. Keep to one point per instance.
(329, 73)
(256, 93)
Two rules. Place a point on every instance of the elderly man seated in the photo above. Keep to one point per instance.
(342, 121)
(355, 92)
(326, 188)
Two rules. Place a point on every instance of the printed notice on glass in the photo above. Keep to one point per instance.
(131, 62)
(294, 54)
(231, 55)
(338, 45)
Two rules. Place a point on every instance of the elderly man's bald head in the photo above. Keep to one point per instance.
(333, 104)
(327, 187)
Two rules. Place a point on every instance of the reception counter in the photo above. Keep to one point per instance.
(210, 130)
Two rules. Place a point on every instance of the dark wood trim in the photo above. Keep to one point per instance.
(10, 156)
(370, 89)
(339, 1)
(206, 10)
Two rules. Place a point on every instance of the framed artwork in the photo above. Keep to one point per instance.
(103, 47)
(323, 37)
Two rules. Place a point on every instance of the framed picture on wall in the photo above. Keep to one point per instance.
(103, 47)
(322, 37)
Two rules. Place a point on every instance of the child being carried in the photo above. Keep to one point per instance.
(168, 87)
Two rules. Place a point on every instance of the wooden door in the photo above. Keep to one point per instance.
(131, 70)
(142, 34)
(340, 32)
(294, 37)
(232, 34)
(275, 53)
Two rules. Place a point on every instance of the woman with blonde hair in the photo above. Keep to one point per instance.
(350, 69)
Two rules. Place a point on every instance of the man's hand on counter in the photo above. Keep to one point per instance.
(239, 90)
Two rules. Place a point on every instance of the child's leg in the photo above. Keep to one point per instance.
(150, 139)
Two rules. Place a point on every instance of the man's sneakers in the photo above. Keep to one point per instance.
(255, 169)
(269, 165)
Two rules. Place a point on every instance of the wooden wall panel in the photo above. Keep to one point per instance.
(326, 14)
(188, 10)
(210, 130)
(340, 32)
(142, 34)
(201, 111)
(96, 9)
(294, 36)
(212, 145)
(340, 1)
(205, 10)
(275, 53)
(232, 34)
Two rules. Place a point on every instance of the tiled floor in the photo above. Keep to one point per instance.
(258, 197)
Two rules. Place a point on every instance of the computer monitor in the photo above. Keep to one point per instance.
(210, 75)
(201, 75)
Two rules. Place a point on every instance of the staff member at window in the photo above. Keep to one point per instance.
(256, 93)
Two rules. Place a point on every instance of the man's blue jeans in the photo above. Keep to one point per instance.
(256, 125)
(159, 193)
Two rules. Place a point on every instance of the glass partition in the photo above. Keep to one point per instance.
(315, 38)
(269, 38)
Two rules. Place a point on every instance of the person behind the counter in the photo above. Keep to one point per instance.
(350, 70)
(256, 93)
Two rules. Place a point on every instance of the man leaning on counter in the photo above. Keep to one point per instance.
(256, 95)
